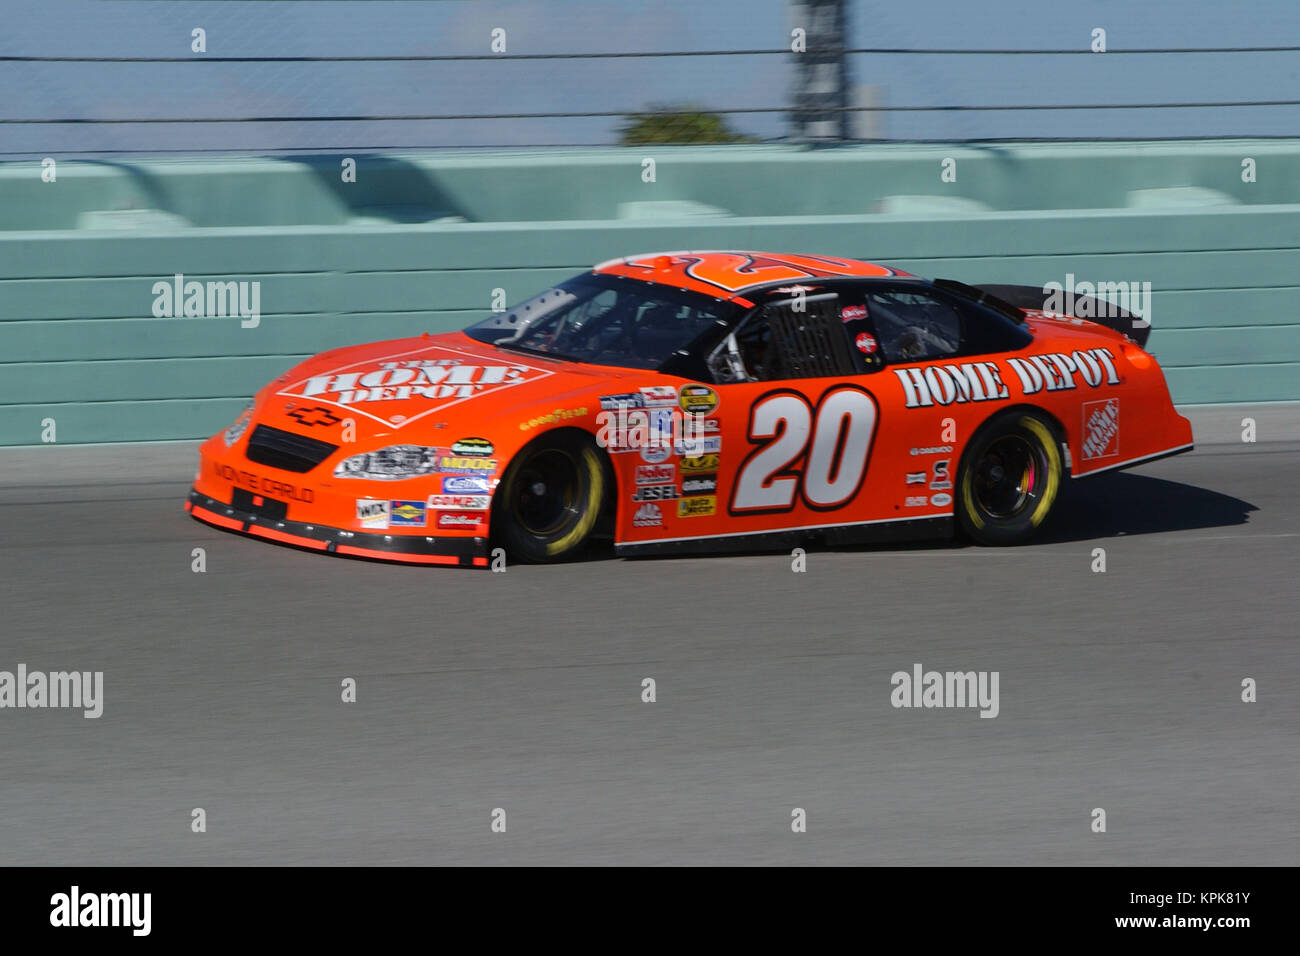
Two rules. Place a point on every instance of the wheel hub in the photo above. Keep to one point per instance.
(1006, 477)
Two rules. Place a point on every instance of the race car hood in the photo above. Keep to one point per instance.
(405, 389)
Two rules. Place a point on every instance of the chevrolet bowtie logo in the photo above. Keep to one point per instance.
(314, 416)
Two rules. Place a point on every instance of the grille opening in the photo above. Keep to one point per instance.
(285, 450)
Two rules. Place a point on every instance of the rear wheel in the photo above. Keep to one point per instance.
(1010, 478)
(549, 500)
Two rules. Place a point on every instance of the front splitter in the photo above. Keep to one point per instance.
(467, 552)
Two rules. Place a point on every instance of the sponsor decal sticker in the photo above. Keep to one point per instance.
(916, 477)
(655, 493)
(698, 400)
(648, 516)
(611, 403)
(654, 454)
(942, 479)
(465, 485)
(865, 343)
(699, 463)
(459, 465)
(473, 448)
(659, 395)
(933, 450)
(459, 502)
(553, 418)
(695, 447)
(459, 519)
(697, 507)
(699, 484)
(373, 514)
(1100, 429)
(941, 500)
(852, 313)
(655, 474)
(408, 514)
(916, 501)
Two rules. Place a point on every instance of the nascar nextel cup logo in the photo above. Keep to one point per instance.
(982, 381)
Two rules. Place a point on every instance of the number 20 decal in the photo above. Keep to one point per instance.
(820, 455)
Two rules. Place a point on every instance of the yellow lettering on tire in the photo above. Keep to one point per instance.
(968, 500)
(590, 513)
(1053, 453)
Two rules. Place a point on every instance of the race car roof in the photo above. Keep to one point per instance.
(724, 274)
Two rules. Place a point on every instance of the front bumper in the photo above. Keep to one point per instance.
(411, 548)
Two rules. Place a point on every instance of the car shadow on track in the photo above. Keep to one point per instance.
(1124, 503)
(1103, 506)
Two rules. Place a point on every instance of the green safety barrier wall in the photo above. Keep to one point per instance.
(420, 244)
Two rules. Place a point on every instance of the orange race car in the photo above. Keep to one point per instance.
(695, 402)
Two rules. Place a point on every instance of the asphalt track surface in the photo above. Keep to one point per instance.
(522, 690)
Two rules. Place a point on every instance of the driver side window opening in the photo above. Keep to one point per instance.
(912, 326)
(787, 339)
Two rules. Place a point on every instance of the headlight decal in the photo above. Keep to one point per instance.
(238, 426)
(390, 464)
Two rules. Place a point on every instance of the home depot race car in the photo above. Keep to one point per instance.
(695, 402)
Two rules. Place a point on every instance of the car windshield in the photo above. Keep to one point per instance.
(606, 320)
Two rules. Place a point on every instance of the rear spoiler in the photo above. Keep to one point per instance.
(1104, 313)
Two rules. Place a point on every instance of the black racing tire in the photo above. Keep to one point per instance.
(549, 500)
(1010, 478)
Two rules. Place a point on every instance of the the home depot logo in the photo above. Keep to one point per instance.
(1101, 429)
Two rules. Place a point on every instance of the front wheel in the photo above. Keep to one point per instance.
(549, 500)
(1010, 478)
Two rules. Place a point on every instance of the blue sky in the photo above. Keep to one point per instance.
(284, 27)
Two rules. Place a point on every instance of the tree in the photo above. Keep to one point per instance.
(678, 124)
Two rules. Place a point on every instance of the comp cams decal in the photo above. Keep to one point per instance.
(459, 502)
